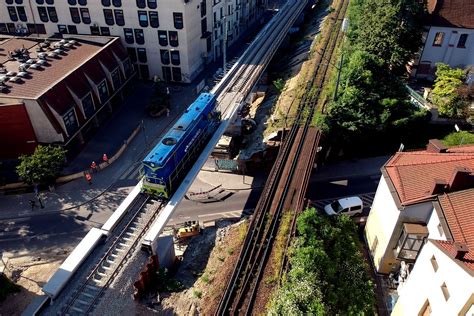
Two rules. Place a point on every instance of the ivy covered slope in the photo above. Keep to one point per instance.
(372, 102)
(328, 275)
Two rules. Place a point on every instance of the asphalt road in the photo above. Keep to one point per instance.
(59, 231)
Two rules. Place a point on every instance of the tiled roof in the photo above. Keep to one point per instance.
(451, 13)
(458, 209)
(414, 174)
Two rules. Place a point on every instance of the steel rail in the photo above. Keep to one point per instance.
(223, 306)
(142, 201)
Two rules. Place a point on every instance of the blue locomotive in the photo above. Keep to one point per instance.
(168, 162)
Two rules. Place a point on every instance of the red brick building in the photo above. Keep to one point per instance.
(57, 91)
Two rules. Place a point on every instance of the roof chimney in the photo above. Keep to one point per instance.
(461, 250)
(439, 187)
(436, 146)
(462, 179)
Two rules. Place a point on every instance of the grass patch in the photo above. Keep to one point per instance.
(230, 251)
(197, 294)
(205, 278)
(280, 243)
(243, 228)
(220, 258)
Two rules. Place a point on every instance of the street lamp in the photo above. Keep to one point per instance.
(344, 27)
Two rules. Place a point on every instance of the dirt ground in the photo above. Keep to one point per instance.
(30, 273)
(207, 264)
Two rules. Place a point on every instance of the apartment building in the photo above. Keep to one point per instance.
(171, 40)
(420, 230)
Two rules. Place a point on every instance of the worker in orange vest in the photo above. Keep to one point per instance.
(105, 158)
(89, 178)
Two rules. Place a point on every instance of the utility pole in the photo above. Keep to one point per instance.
(344, 27)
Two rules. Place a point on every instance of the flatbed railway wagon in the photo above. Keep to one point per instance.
(166, 165)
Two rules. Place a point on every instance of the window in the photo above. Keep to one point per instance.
(22, 14)
(411, 241)
(3, 28)
(165, 57)
(103, 91)
(43, 14)
(127, 68)
(117, 3)
(109, 17)
(203, 27)
(132, 53)
(62, 29)
(462, 41)
(141, 4)
(178, 20)
(128, 33)
(36, 28)
(144, 72)
(82, 2)
(106, 3)
(53, 16)
(173, 35)
(374, 245)
(176, 74)
(9, 1)
(425, 310)
(166, 73)
(162, 38)
(175, 60)
(49, 1)
(72, 2)
(438, 40)
(139, 37)
(70, 121)
(143, 18)
(434, 263)
(151, 4)
(86, 18)
(440, 230)
(19, 1)
(119, 19)
(95, 30)
(40, 1)
(445, 291)
(75, 15)
(153, 19)
(141, 54)
(203, 8)
(104, 30)
(88, 105)
(72, 29)
(116, 78)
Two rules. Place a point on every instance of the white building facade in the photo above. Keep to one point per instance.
(448, 37)
(171, 39)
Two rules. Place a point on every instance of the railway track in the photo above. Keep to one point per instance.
(284, 190)
(86, 296)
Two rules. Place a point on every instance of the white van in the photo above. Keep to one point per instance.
(349, 206)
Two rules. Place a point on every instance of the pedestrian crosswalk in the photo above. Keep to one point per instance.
(367, 199)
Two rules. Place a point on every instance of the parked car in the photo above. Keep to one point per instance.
(349, 206)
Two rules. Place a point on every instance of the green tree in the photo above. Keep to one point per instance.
(447, 92)
(458, 138)
(43, 166)
(328, 274)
